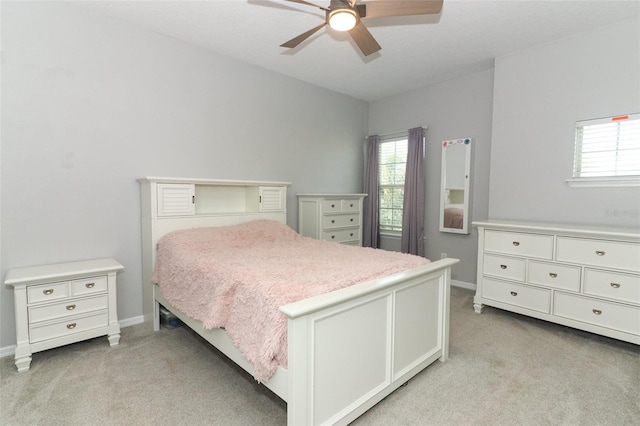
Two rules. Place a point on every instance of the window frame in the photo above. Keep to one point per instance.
(398, 137)
(601, 181)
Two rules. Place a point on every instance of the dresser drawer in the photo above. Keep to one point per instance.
(504, 267)
(332, 206)
(334, 221)
(531, 245)
(554, 275)
(89, 285)
(52, 330)
(534, 298)
(598, 312)
(613, 254)
(47, 292)
(67, 308)
(613, 285)
(341, 235)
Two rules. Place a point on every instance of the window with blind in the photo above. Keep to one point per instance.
(392, 163)
(608, 149)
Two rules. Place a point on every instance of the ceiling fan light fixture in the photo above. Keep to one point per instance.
(342, 19)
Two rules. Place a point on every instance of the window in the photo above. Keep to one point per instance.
(392, 163)
(608, 150)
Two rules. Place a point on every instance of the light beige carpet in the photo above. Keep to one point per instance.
(504, 369)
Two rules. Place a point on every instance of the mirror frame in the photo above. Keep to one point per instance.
(467, 143)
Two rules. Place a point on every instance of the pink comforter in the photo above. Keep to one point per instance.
(236, 277)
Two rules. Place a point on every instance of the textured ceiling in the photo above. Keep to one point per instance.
(416, 51)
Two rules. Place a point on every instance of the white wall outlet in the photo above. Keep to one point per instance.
(443, 255)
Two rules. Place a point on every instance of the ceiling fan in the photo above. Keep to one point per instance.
(347, 15)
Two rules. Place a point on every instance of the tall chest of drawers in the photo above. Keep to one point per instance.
(579, 277)
(331, 217)
(63, 303)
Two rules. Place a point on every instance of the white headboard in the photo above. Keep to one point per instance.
(171, 204)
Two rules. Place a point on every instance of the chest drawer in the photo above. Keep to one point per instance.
(521, 244)
(89, 285)
(47, 292)
(534, 298)
(613, 285)
(341, 235)
(340, 205)
(613, 254)
(554, 275)
(334, 221)
(67, 308)
(504, 267)
(598, 312)
(52, 330)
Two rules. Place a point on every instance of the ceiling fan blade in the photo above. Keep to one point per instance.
(364, 39)
(309, 4)
(382, 8)
(302, 37)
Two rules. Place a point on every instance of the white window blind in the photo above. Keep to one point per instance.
(607, 147)
(392, 163)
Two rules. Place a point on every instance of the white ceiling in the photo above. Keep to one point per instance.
(416, 51)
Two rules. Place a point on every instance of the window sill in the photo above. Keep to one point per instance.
(617, 181)
(389, 234)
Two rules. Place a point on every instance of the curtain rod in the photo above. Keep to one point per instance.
(394, 133)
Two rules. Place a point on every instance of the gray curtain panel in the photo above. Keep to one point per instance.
(414, 197)
(370, 214)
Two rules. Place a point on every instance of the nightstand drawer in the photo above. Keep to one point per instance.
(89, 285)
(38, 333)
(334, 221)
(48, 292)
(598, 312)
(67, 308)
(554, 275)
(531, 245)
(613, 254)
(341, 236)
(511, 268)
(613, 285)
(534, 298)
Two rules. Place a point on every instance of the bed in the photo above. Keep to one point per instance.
(331, 374)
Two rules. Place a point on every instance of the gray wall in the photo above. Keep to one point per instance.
(90, 104)
(453, 109)
(539, 95)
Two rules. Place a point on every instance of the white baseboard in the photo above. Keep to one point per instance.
(463, 284)
(11, 350)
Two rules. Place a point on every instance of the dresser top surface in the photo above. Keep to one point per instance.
(561, 228)
(44, 273)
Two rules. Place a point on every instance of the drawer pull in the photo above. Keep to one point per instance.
(553, 274)
(351, 234)
(333, 236)
(71, 307)
(71, 326)
(90, 285)
(350, 205)
(47, 291)
(600, 252)
(503, 266)
(516, 243)
(351, 219)
(333, 206)
(333, 221)
(597, 311)
(513, 293)
(615, 285)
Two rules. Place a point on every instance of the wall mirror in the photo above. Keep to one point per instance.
(454, 185)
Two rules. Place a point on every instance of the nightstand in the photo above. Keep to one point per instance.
(63, 303)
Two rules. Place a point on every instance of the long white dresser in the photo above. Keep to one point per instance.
(581, 277)
(331, 217)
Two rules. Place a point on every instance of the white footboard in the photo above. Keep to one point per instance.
(350, 348)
